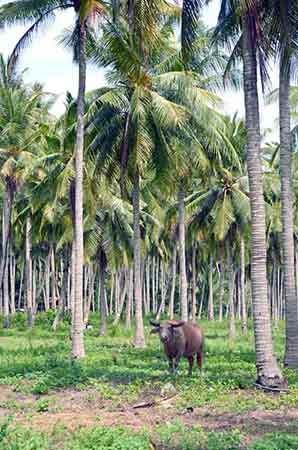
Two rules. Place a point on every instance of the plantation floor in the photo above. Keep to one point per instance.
(74, 409)
(121, 398)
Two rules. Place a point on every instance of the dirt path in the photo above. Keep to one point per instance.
(74, 409)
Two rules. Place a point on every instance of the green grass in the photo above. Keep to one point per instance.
(173, 437)
(37, 362)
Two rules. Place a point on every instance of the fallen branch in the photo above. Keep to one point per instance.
(270, 389)
(151, 403)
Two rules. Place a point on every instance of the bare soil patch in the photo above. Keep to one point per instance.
(75, 409)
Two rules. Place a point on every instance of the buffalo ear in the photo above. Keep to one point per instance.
(154, 330)
(154, 324)
(176, 323)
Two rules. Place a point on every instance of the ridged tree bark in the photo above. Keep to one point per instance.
(194, 284)
(103, 309)
(291, 351)
(29, 296)
(139, 338)
(268, 372)
(210, 290)
(9, 193)
(6, 316)
(221, 286)
(129, 300)
(231, 282)
(78, 349)
(242, 286)
(12, 282)
(182, 262)
(173, 285)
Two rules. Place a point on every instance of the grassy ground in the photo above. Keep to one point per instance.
(47, 402)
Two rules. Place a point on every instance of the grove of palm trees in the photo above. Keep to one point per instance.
(143, 213)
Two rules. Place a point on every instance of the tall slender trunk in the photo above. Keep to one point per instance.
(156, 282)
(129, 300)
(210, 289)
(173, 286)
(291, 350)
(194, 285)
(148, 285)
(221, 287)
(47, 282)
(242, 286)
(139, 338)
(62, 300)
(231, 282)
(78, 349)
(103, 308)
(268, 372)
(21, 287)
(53, 277)
(6, 233)
(124, 291)
(29, 297)
(112, 294)
(202, 301)
(8, 199)
(182, 262)
(6, 323)
(153, 285)
(12, 282)
(296, 273)
(34, 305)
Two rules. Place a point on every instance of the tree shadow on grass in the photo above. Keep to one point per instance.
(114, 362)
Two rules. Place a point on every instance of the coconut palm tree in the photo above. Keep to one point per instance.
(24, 11)
(249, 44)
(139, 121)
(21, 110)
(283, 25)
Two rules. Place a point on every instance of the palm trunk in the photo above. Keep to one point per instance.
(153, 285)
(210, 289)
(47, 283)
(291, 350)
(6, 322)
(112, 294)
(34, 305)
(139, 338)
(242, 286)
(194, 285)
(21, 288)
(103, 308)
(62, 300)
(173, 286)
(6, 226)
(202, 302)
(268, 372)
(231, 281)
(182, 262)
(78, 349)
(129, 300)
(53, 277)
(12, 282)
(148, 285)
(221, 287)
(122, 300)
(296, 272)
(29, 297)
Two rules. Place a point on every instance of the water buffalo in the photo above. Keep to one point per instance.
(179, 339)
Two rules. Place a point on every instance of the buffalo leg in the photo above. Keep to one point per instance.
(172, 366)
(200, 361)
(176, 363)
(190, 360)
